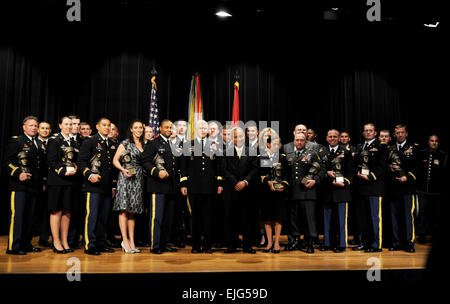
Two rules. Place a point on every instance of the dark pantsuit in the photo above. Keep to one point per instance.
(402, 209)
(238, 212)
(340, 211)
(22, 205)
(98, 207)
(294, 227)
(202, 221)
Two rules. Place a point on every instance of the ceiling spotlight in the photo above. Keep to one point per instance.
(432, 25)
(223, 14)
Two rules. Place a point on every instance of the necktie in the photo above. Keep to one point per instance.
(33, 139)
(365, 146)
(297, 154)
(239, 152)
(106, 141)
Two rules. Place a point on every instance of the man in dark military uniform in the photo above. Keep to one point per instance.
(160, 164)
(23, 162)
(201, 179)
(336, 186)
(404, 167)
(239, 170)
(306, 174)
(432, 185)
(95, 163)
(345, 141)
(42, 213)
(294, 229)
(371, 157)
(181, 218)
(76, 225)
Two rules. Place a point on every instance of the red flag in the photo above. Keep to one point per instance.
(235, 114)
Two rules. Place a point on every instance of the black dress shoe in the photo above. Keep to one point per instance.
(377, 250)
(207, 250)
(59, 251)
(156, 251)
(395, 248)
(169, 249)
(92, 251)
(32, 249)
(309, 249)
(369, 250)
(410, 248)
(230, 250)
(325, 248)
(44, 243)
(339, 249)
(106, 249)
(249, 250)
(359, 248)
(16, 252)
(196, 250)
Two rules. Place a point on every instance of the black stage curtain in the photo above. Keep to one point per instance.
(328, 78)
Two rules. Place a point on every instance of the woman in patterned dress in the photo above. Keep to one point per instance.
(129, 199)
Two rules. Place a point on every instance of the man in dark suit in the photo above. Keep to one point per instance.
(159, 161)
(95, 163)
(404, 169)
(372, 166)
(339, 166)
(306, 173)
(23, 160)
(201, 178)
(239, 170)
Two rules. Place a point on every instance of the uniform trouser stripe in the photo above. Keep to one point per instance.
(88, 211)
(346, 227)
(13, 214)
(380, 223)
(189, 205)
(413, 237)
(153, 218)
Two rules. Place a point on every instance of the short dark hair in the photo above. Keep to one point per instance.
(101, 118)
(163, 121)
(84, 123)
(400, 126)
(45, 122)
(30, 118)
(385, 131)
(62, 118)
(370, 124)
(73, 117)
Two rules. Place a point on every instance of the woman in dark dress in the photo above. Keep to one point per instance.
(129, 198)
(61, 158)
(273, 208)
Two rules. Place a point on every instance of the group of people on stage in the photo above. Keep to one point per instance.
(222, 183)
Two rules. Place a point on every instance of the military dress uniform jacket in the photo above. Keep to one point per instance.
(34, 154)
(237, 169)
(433, 175)
(153, 183)
(201, 169)
(378, 165)
(332, 193)
(409, 156)
(265, 171)
(56, 162)
(95, 146)
(299, 164)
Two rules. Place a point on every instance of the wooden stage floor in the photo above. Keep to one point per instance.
(183, 261)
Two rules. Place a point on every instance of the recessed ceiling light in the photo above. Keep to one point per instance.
(223, 14)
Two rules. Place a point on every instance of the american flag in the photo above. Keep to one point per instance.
(153, 120)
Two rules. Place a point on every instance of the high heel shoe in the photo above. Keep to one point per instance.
(59, 251)
(68, 250)
(275, 250)
(268, 249)
(135, 250)
(126, 250)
